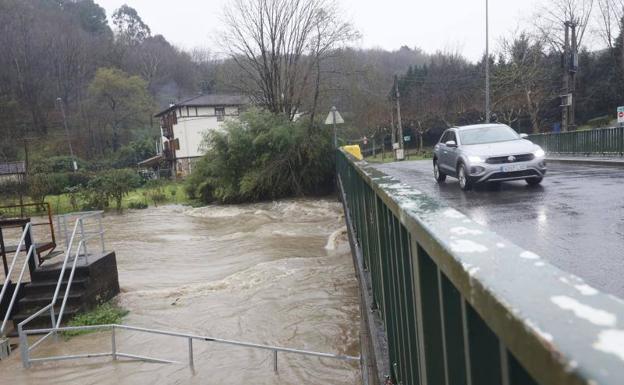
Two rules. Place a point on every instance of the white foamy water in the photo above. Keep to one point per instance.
(275, 273)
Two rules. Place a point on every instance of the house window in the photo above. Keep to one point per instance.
(188, 111)
(220, 112)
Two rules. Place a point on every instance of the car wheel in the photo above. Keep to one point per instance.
(533, 181)
(464, 180)
(437, 174)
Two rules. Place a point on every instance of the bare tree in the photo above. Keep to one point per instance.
(521, 81)
(608, 18)
(279, 45)
(550, 19)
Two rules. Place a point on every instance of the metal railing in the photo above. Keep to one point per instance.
(602, 141)
(64, 220)
(115, 353)
(7, 280)
(84, 238)
(462, 305)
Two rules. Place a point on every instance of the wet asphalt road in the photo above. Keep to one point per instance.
(575, 219)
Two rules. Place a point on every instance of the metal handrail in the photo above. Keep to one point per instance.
(17, 251)
(84, 214)
(17, 286)
(56, 321)
(26, 360)
(69, 283)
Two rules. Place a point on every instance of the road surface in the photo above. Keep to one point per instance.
(575, 219)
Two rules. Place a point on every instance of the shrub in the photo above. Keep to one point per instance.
(106, 313)
(137, 205)
(134, 152)
(94, 194)
(40, 185)
(73, 192)
(110, 185)
(263, 156)
(155, 191)
(119, 183)
(57, 164)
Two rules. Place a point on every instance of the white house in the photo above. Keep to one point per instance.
(185, 124)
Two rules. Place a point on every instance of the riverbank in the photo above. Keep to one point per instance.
(142, 197)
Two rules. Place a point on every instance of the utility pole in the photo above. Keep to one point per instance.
(573, 66)
(566, 78)
(392, 127)
(333, 112)
(71, 150)
(399, 124)
(487, 62)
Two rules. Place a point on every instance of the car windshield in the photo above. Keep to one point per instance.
(487, 135)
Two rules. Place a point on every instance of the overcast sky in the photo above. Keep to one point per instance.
(429, 24)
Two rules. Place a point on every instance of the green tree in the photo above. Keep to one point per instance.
(263, 156)
(110, 185)
(91, 16)
(119, 101)
(129, 26)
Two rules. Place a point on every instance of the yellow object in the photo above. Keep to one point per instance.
(354, 150)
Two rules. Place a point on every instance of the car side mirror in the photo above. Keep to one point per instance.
(524, 136)
(451, 143)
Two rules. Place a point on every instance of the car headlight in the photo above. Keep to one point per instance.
(539, 153)
(475, 159)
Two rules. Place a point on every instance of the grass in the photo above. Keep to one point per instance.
(106, 313)
(409, 155)
(168, 193)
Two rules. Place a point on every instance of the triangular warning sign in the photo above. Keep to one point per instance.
(330, 118)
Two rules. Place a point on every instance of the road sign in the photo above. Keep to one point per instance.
(330, 117)
(407, 138)
(620, 114)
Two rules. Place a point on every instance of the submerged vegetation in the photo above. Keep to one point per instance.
(263, 156)
(106, 313)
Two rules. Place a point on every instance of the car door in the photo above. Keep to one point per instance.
(443, 156)
(452, 154)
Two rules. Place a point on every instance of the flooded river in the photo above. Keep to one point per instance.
(273, 273)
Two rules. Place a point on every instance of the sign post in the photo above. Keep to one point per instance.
(334, 118)
(620, 115)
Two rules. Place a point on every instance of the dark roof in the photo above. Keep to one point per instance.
(12, 168)
(154, 160)
(209, 101)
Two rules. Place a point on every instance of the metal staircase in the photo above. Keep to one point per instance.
(41, 294)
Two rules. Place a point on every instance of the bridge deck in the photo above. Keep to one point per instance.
(575, 219)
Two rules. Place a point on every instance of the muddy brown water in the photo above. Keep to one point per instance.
(275, 273)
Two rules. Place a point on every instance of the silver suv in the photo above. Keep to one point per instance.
(487, 153)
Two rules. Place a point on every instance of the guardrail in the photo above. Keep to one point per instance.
(605, 141)
(115, 353)
(462, 305)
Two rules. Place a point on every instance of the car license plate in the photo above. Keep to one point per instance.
(514, 167)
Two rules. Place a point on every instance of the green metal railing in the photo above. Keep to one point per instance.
(606, 141)
(461, 305)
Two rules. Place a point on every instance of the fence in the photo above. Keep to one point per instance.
(115, 353)
(461, 305)
(605, 141)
